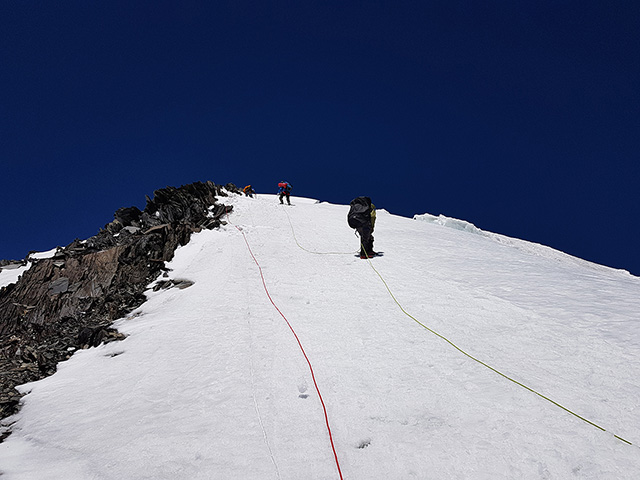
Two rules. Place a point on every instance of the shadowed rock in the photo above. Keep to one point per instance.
(68, 301)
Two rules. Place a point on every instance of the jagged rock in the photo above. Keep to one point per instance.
(11, 264)
(67, 302)
(92, 337)
(128, 216)
(60, 285)
(180, 283)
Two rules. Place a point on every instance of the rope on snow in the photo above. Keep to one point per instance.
(304, 353)
(463, 351)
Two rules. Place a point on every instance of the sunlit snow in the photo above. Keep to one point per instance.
(210, 382)
(41, 255)
(10, 274)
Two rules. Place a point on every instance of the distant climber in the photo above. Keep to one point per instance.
(248, 191)
(362, 217)
(284, 190)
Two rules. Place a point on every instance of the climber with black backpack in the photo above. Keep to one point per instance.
(362, 217)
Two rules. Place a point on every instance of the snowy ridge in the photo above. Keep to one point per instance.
(529, 247)
(210, 384)
(43, 255)
(10, 273)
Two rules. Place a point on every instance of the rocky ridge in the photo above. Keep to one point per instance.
(68, 302)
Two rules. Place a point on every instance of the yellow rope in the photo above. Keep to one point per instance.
(484, 364)
(310, 251)
(453, 344)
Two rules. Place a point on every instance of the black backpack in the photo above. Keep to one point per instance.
(360, 212)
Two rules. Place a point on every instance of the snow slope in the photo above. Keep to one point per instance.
(11, 273)
(211, 383)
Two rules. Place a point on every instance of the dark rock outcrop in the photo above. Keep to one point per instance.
(11, 263)
(67, 302)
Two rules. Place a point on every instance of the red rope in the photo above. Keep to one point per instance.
(324, 408)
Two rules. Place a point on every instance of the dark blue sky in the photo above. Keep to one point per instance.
(521, 117)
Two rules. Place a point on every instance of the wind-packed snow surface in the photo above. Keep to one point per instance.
(211, 382)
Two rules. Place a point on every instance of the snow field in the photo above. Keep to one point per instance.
(211, 384)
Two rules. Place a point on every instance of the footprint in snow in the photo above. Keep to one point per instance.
(302, 388)
(364, 443)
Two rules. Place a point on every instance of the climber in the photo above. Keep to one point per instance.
(284, 190)
(362, 217)
(248, 191)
